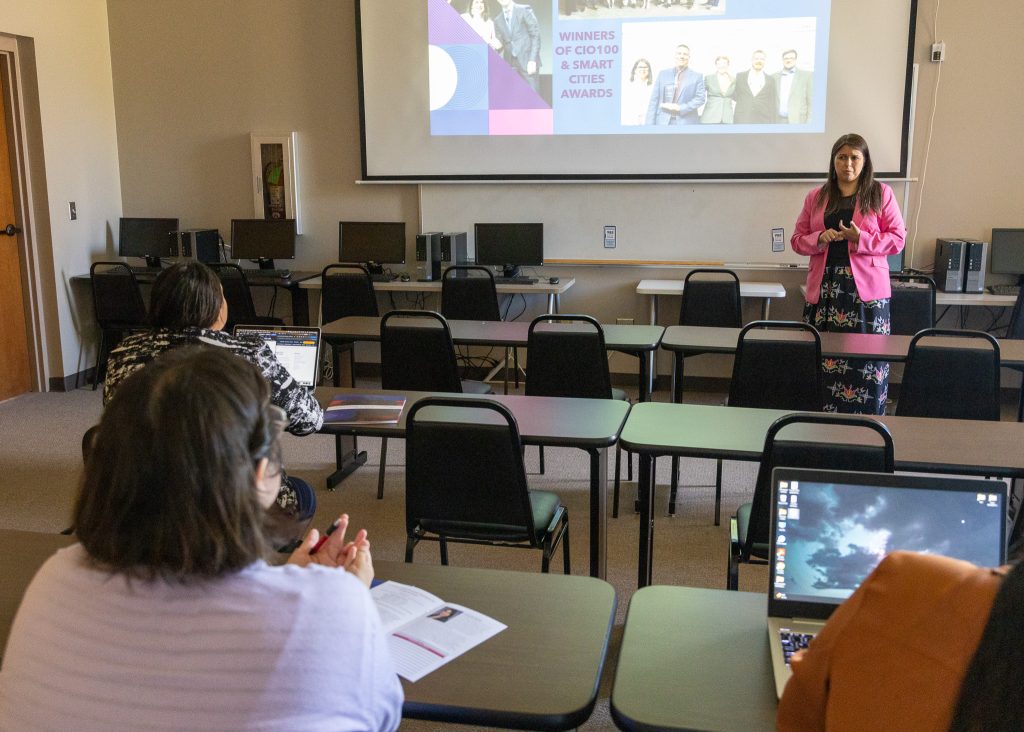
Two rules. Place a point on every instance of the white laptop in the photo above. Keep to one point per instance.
(831, 529)
(296, 347)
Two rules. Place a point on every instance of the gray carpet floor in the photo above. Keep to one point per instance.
(40, 454)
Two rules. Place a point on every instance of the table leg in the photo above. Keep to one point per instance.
(766, 308)
(654, 309)
(347, 457)
(599, 512)
(300, 305)
(645, 387)
(645, 490)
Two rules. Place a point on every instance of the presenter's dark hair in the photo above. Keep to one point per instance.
(869, 192)
(169, 488)
(185, 295)
(993, 687)
(650, 71)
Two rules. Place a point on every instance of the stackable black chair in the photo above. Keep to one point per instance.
(711, 299)
(571, 363)
(774, 370)
(417, 354)
(913, 308)
(117, 303)
(951, 383)
(466, 482)
(241, 308)
(469, 293)
(749, 529)
(1015, 331)
(346, 289)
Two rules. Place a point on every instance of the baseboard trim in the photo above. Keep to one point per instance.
(72, 382)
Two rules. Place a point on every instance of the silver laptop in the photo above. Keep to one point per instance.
(831, 529)
(296, 347)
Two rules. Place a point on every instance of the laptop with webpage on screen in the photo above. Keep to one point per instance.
(296, 347)
(832, 528)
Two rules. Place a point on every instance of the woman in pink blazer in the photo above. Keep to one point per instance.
(847, 227)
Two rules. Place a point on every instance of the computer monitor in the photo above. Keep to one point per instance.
(150, 239)
(263, 240)
(1007, 252)
(373, 243)
(509, 246)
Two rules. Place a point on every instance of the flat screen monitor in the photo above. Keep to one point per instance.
(148, 238)
(371, 242)
(509, 245)
(263, 240)
(1007, 255)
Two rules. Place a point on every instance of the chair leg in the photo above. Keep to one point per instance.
(383, 464)
(732, 577)
(541, 453)
(718, 494)
(515, 365)
(410, 544)
(443, 543)
(566, 566)
(629, 466)
(615, 490)
(674, 487)
(99, 356)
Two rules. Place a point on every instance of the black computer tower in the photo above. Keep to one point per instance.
(428, 256)
(454, 250)
(201, 244)
(975, 264)
(949, 264)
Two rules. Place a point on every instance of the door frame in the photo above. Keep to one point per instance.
(12, 74)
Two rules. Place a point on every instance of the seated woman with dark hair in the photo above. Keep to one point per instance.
(167, 614)
(187, 307)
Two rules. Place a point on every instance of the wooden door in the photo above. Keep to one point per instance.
(15, 371)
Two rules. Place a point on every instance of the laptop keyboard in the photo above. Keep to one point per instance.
(793, 642)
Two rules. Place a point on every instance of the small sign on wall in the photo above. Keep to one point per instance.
(778, 240)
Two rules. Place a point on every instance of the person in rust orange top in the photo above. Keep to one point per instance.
(894, 655)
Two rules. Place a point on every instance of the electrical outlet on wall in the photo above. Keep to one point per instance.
(72, 210)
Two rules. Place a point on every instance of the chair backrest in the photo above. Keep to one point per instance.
(1016, 328)
(469, 293)
(951, 383)
(346, 289)
(464, 468)
(711, 298)
(416, 352)
(116, 297)
(567, 362)
(778, 372)
(866, 458)
(913, 308)
(241, 308)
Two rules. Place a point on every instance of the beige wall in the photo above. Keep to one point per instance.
(192, 78)
(74, 159)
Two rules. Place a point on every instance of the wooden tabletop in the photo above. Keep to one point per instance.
(695, 659)
(631, 338)
(540, 287)
(540, 673)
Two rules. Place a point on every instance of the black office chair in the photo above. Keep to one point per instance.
(749, 529)
(951, 383)
(1015, 331)
(571, 364)
(417, 354)
(117, 303)
(711, 299)
(913, 307)
(773, 371)
(466, 482)
(469, 293)
(241, 308)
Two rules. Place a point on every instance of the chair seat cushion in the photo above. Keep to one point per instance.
(619, 394)
(544, 504)
(742, 524)
(476, 387)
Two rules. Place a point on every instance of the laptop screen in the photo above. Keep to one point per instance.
(297, 349)
(832, 529)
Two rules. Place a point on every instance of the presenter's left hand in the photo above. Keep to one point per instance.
(851, 233)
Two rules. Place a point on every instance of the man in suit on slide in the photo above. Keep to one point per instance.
(517, 28)
(756, 94)
(794, 91)
(678, 93)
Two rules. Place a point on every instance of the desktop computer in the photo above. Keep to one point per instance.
(201, 244)
(428, 256)
(454, 251)
(975, 264)
(949, 264)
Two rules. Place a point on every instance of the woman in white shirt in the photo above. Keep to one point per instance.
(636, 93)
(166, 614)
(479, 19)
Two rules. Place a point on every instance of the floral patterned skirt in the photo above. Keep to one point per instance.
(852, 385)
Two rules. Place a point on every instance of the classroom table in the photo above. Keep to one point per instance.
(656, 429)
(592, 425)
(255, 278)
(540, 287)
(543, 671)
(963, 299)
(636, 340)
(655, 288)
(695, 659)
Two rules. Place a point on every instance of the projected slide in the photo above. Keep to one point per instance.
(627, 67)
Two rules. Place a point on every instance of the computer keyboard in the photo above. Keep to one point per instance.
(793, 642)
(381, 278)
(1011, 290)
(515, 280)
(145, 270)
(275, 273)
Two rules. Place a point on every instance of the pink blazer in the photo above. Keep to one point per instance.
(881, 234)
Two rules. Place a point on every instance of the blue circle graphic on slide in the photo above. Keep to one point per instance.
(458, 77)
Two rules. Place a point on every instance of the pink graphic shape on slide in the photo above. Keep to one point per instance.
(507, 89)
(447, 27)
(522, 122)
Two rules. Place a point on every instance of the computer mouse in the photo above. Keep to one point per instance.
(404, 277)
(554, 280)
